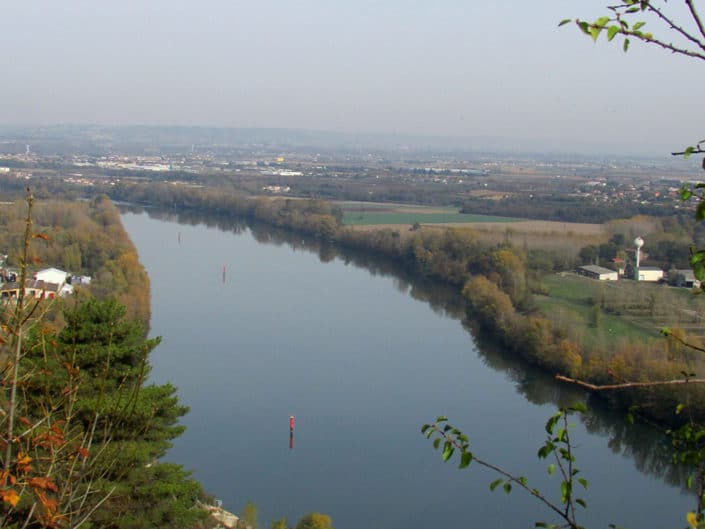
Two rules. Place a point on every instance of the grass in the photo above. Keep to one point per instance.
(360, 214)
(575, 294)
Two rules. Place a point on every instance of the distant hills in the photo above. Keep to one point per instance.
(136, 139)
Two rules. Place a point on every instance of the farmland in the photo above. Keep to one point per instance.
(377, 214)
(625, 308)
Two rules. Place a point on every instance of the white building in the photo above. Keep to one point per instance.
(52, 275)
(598, 272)
(650, 273)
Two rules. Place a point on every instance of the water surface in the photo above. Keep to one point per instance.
(256, 329)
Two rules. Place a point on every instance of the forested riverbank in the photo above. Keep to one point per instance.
(499, 280)
(87, 428)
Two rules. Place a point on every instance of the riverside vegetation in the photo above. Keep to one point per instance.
(504, 285)
(82, 429)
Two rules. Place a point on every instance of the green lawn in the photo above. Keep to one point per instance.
(369, 218)
(574, 293)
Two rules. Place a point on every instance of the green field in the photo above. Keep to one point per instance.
(574, 294)
(362, 214)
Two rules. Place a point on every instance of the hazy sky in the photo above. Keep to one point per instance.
(439, 67)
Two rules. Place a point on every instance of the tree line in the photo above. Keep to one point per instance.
(499, 281)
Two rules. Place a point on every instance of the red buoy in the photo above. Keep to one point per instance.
(291, 423)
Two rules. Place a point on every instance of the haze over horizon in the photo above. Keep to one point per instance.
(443, 69)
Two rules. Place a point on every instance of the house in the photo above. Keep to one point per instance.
(33, 288)
(52, 275)
(650, 273)
(598, 272)
(683, 278)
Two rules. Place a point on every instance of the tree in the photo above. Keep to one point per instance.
(315, 520)
(80, 432)
(685, 35)
(249, 515)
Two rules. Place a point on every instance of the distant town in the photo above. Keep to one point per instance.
(276, 166)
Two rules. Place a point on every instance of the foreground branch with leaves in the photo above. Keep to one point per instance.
(557, 448)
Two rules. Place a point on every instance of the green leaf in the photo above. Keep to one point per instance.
(595, 32)
(689, 482)
(611, 32)
(583, 482)
(638, 25)
(688, 151)
(546, 450)
(507, 487)
(601, 22)
(581, 503)
(564, 491)
(630, 417)
(700, 211)
(441, 418)
(447, 451)
(465, 459)
(686, 193)
(425, 427)
(564, 22)
(436, 443)
(551, 469)
(551, 423)
(679, 408)
(579, 407)
(626, 45)
(584, 27)
(495, 484)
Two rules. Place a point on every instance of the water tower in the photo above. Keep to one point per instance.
(638, 242)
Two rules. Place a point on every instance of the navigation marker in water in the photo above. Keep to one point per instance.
(291, 432)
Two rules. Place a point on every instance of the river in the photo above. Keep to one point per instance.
(257, 328)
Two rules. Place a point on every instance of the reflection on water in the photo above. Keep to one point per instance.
(643, 445)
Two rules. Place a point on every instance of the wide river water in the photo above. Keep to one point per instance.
(257, 328)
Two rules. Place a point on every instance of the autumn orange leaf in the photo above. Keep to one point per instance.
(43, 483)
(10, 496)
(23, 459)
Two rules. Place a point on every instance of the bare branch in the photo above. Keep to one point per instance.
(625, 385)
(659, 13)
(696, 17)
(663, 44)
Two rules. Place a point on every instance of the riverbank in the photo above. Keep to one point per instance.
(498, 280)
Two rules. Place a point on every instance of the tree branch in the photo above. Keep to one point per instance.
(677, 28)
(514, 479)
(696, 150)
(696, 17)
(625, 385)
